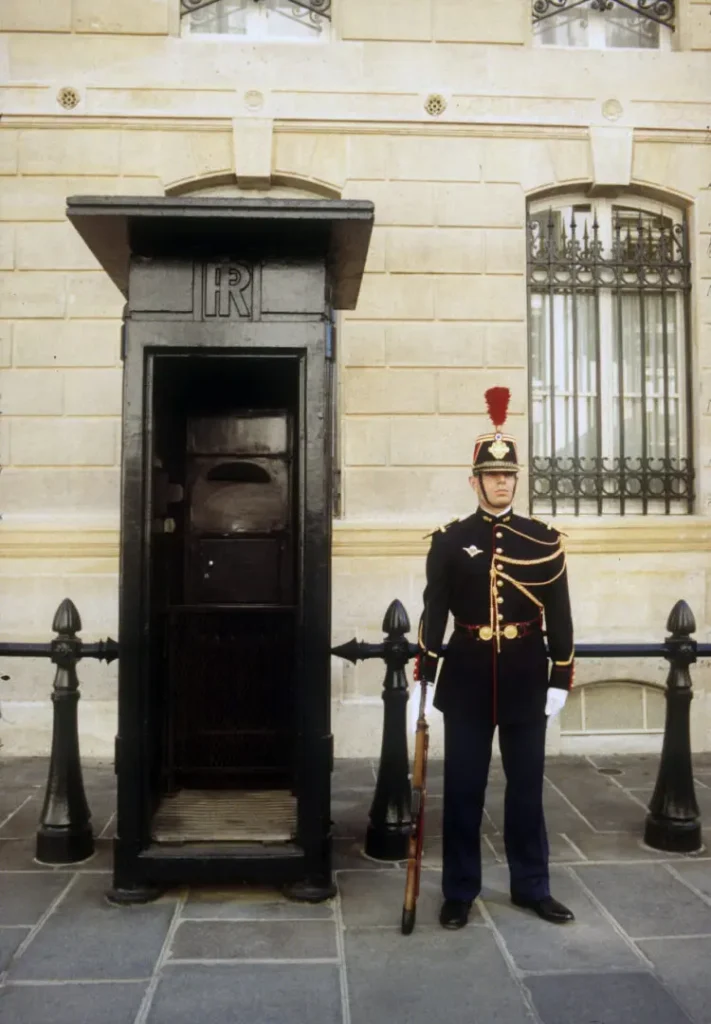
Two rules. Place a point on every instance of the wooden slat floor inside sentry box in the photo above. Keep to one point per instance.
(225, 816)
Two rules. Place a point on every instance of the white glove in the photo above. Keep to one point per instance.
(555, 701)
(413, 705)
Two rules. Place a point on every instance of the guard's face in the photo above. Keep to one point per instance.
(495, 489)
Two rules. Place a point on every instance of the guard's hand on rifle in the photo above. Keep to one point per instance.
(425, 667)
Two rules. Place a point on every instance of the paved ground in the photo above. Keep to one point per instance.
(639, 953)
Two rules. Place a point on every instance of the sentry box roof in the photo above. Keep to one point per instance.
(334, 230)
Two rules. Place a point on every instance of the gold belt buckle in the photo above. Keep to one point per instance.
(510, 631)
(485, 632)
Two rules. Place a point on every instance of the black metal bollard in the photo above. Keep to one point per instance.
(390, 825)
(64, 835)
(390, 822)
(673, 822)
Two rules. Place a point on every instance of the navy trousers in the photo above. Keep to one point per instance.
(467, 755)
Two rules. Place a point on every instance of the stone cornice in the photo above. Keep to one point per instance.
(319, 126)
(58, 543)
(589, 536)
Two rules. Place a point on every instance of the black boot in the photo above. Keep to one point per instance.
(547, 908)
(455, 913)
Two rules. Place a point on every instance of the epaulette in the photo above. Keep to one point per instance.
(442, 529)
(541, 521)
(548, 526)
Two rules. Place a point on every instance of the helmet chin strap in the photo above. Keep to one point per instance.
(480, 475)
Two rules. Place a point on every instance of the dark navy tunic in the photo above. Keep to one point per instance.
(503, 579)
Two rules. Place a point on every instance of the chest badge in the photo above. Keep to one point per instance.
(473, 550)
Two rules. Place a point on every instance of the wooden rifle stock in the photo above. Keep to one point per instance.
(417, 815)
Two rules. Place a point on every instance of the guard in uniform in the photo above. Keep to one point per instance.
(501, 576)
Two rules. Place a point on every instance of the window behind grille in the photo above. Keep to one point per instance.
(608, 334)
(604, 24)
(297, 20)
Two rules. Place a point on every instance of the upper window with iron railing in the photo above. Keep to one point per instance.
(255, 20)
(604, 24)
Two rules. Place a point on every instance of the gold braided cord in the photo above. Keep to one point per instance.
(565, 664)
(546, 583)
(531, 561)
(534, 540)
(421, 643)
(520, 586)
(493, 608)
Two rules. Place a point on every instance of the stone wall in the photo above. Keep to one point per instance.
(442, 312)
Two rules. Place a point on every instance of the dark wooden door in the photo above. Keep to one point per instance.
(229, 573)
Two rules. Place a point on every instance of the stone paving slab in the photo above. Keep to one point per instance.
(254, 940)
(25, 898)
(19, 855)
(646, 899)
(639, 772)
(703, 799)
(560, 815)
(248, 994)
(349, 811)
(696, 874)
(25, 772)
(357, 775)
(431, 976)
(374, 899)
(10, 939)
(250, 903)
(683, 966)
(589, 943)
(86, 938)
(614, 998)
(23, 821)
(10, 802)
(348, 854)
(604, 805)
(111, 1003)
(616, 846)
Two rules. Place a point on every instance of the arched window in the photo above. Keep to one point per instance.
(608, 287)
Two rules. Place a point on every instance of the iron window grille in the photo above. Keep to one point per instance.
(217, 15)
(603, 23)
(609, 360)
(661, 11)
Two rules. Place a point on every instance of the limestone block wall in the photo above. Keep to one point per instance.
(441, 316)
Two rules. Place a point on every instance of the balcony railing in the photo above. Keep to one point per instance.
(661, 11)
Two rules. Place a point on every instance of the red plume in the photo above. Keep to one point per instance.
(497, 402)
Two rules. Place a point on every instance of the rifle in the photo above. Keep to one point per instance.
(417, 814)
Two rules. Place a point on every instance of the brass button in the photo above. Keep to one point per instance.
(499, 551)
(499, 535)
(500, 616)
(500, 600)
(499, 583)
(499, 567)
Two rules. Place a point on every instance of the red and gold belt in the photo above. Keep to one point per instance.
(510, 630)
